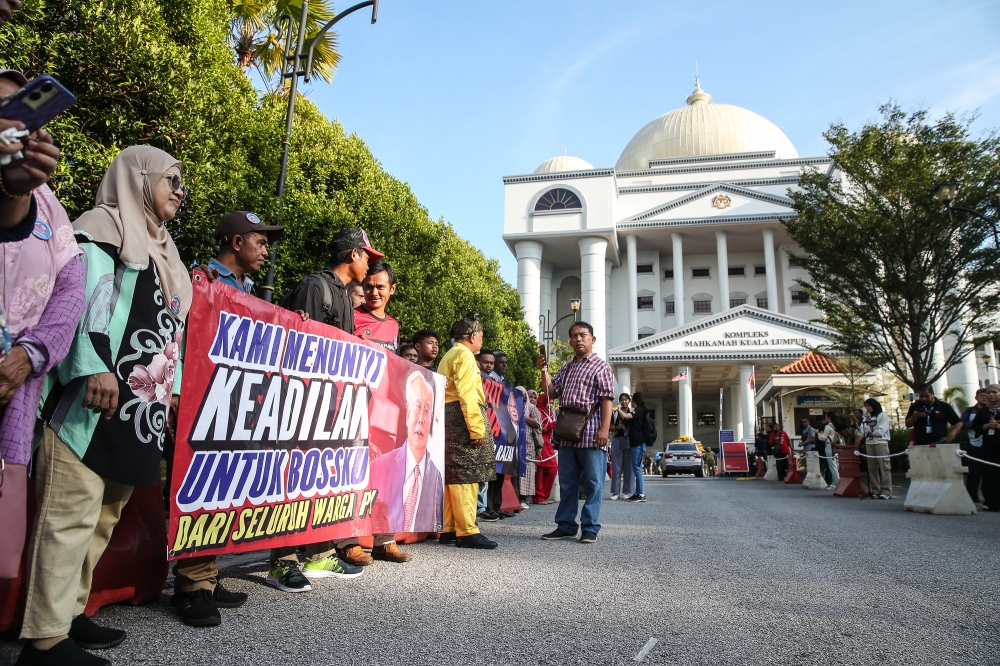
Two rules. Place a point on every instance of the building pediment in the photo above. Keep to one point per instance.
(717, 199)
(743, 333)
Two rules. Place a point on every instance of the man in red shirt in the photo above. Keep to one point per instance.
(372, 323)
(370, 320)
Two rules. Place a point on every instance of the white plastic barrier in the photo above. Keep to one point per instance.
(814, 477)
(772, 470)
(554, 495)
(936, 482)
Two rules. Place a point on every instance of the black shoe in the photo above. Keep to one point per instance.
(637, 498)
(198, 609)
(226, 599)
(588, 537)
(63, 653)
(89, 636)
(558, 534)
(489, 516)
(475, 541)
(506, 514)
(446, 538)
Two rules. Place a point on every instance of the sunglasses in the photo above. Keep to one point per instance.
(176, 184)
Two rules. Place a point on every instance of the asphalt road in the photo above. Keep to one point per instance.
(717, 570)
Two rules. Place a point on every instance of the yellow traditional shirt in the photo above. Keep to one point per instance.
(465, 386)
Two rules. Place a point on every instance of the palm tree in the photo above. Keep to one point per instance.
(257, 42)
(955, 396)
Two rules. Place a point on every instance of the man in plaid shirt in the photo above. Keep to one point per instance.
(585, 382)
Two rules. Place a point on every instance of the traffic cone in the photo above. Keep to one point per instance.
(793, 475)
(760, 468)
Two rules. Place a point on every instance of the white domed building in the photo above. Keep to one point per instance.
(680, 262)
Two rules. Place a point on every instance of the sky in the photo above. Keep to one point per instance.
(453, 95)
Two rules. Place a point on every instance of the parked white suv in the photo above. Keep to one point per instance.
(682, 458)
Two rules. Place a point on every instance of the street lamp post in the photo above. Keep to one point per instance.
(293, 65)
(548, 333)
(946, 193)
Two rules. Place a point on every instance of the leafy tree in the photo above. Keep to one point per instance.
(163, 74)
(891, 272)
(858, 385)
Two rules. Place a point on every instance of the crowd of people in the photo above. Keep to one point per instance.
(94, 314)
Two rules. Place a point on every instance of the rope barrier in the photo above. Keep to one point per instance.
(891, 455)
(782, 458)
(963, 454)
(542, 460)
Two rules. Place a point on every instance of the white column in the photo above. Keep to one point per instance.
(678, 240)
(969, 374)
(772, 270)
(592, 253)
(941, 385)
(529, 267)
(736, 408)
(633, 291)
(607, 302)
(545, 290)
(685, 422)
(991, 371)
(748, 410)
(624, 380)
(723, 252)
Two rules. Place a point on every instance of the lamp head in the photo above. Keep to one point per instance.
(574, 304)
(946, 191)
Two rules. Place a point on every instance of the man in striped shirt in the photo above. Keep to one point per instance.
(587, 383)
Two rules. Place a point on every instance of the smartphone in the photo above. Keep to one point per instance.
(39, 101)
(541, 352)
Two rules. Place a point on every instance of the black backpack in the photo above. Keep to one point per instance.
(649, 429)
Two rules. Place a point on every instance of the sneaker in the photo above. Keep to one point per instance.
(331, 567)
(524, 505)
(198, 609)
(62, 653)
(883, 496)
(90, 636)
(287, 577)
(557, 535)
(489, 516)
(226, 599)
(832, 486)
(475, 541)
(636, 498)
(614, 497)
(506, 514)
(588, 537)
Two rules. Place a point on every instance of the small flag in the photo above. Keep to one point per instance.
(681, 377)
(753, 381)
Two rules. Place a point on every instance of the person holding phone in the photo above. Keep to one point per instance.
(930, 418)
(23, 175)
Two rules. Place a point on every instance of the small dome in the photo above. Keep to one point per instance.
(704, 128)
(564, 163)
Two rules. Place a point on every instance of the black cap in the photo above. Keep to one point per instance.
(353, 239)
(242, 222)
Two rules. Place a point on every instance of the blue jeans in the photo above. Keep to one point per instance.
(481, 499)
(581, 469)
(637, 455)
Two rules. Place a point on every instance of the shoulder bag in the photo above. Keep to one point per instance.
(570, 423)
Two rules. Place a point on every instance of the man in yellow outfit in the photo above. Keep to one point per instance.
(468, 445)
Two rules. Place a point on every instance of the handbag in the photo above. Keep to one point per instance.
(13, 516)
(570, 423)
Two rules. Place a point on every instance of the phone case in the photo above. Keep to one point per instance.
(21, 106)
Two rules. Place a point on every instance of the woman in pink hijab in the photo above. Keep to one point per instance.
(41, 298)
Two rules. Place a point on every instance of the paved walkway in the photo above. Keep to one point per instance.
(717, 570)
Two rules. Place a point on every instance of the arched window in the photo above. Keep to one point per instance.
(558, 199)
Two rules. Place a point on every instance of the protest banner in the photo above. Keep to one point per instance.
(293, 432)
(505, 410)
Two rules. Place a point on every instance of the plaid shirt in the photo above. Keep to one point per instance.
(582, 383)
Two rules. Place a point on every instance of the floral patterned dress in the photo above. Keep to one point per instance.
(126, 329)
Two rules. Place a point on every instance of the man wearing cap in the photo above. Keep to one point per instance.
(243, 241)
(324, 297)
(468, 444)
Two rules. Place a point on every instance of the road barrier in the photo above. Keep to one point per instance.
(772, 470)
(793, 475)
(814, 476)
(936, 483)
(849, 467)
(760, 467)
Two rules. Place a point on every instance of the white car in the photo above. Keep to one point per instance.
(682, 458)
